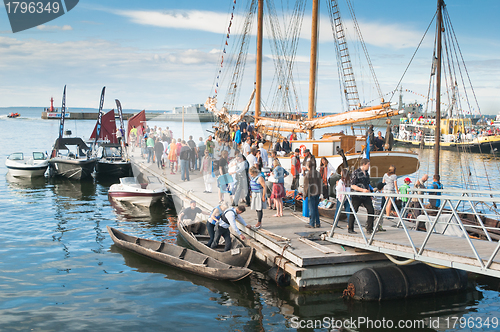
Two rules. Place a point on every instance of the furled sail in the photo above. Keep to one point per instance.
(223, 114)
(359, 115)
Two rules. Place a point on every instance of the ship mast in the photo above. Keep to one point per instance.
(437, 139)
(258, 72)
(311, 109)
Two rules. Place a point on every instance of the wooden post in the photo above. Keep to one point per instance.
(311, 109)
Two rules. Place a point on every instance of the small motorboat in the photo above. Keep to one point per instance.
(71, 158)
(29, 167)
(179, 257)
(131, 190)
(13, 115)
(112, 162)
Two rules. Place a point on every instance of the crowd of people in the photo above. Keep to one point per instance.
(235, 161)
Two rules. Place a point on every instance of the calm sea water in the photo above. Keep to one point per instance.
(59, 270)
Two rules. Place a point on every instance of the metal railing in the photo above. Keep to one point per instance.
(456, 207)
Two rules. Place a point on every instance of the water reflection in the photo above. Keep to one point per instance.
(245, 293)
(25, 183)
(84, 190)
(462, 169)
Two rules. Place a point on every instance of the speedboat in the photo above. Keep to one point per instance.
(112, 162)
(131, 190)
(13, 115)
(70, 158)
(30, 167)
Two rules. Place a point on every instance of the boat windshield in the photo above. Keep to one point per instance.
(112, 151)
(153, 179)
(16, 156)
(38, 156)
(129, 180)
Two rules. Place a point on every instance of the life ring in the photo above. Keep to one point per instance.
(302, 149)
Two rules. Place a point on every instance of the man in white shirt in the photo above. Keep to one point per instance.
(246, 147)
(252, 160)
(228, 219)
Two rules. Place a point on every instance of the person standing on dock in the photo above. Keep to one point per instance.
(361, 183)
(210, 146)
(296, 169)
(391, 187)
(241, 187)
(251, 158)
(228, 219)
(184, 157)
(200, 148)
(158, 148)
(312, 190)
(415, 206)
(246, 147)
(343, 184)
(263, 153)
(207, 171)
(307, 157)
(223, 179)
(132, 137)
(435, 203)
(278, 191)
(172, 156)
(150, 144)
(193, 154)
(258, 189)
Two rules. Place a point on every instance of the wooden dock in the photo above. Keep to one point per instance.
(285, 242)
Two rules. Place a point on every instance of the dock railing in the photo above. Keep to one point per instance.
(465, 211)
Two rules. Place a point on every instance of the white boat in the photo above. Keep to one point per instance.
(131, 190)
(27, 167)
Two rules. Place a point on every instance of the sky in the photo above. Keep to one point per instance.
(156, 55)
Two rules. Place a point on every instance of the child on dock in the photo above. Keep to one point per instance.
(404, 189)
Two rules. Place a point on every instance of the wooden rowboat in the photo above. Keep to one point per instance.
(196, 234)
(179, 257)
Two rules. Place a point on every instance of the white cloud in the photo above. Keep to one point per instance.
(141, 78)
(190, 19)
(383, 35)
(44, 27)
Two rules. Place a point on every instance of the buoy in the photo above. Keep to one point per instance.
(281, 277)
(403, 281)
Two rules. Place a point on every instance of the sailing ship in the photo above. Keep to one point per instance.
(457, 134)
(333, 147)
(453, 128)
(70, 156)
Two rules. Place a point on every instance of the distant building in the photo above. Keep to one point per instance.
(191, 109)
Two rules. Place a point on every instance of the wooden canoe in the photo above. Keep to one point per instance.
(179, 257)
(196, 234)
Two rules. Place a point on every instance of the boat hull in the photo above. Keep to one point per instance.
(145, 199)
(196, 235)
(491, 145)
(179, 257)
(115, 169)
(28, 171)
(405, 162)
(74, 169)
